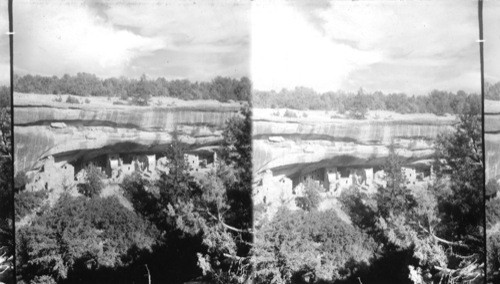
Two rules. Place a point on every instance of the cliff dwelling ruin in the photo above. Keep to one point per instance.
(61, 174)
(277, 189)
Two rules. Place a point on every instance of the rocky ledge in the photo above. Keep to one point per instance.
(45, 125)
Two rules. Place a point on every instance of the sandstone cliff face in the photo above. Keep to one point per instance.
(316, 139)
(46, 128)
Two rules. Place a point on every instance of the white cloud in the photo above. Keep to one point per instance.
(492, 41)
(4, 45)
(53, 39)
(115, 40)
(200, 24)
(411, 46)
(203, 39)
(287, 51)
(421, 27)
(408, 46)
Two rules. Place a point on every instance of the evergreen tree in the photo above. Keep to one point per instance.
(443, 224)
(79, 237)
(6, 192)
(93, 184)
(311, 199)
(209, 214)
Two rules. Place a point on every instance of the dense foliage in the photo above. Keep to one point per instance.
(78, 238)
(356, 104)
(311, 197)
(492, 212)
(84, 84)
(436, 231)
(443, 223)
(423, 233)
(236, 153)
(493, 231)
(210, 218)
(4, 96)
(178, 229)
(309, 247)
(462, 202)
(27, 201)
(72, 100)
(492, 188)
(492, 91)
(493, 256)
(6, 193)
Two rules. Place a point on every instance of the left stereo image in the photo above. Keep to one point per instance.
(132, 142)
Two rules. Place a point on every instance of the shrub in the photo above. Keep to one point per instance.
(311, 199)
(492, 188)
(141, 100)
(87, 101)
(359, 207)
(492, 212)
(124, 96)
(93, 182)
(20, 180)
(359, 112)
(134, 189)
(44, 279)
(72, 100)
(289, 113)
(317, 243)
(98, 233)
(26, 201)
(493, 257)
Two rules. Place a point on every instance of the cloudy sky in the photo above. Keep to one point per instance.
(4, 44)
(492, 41)
(182, 39)
(392, 46)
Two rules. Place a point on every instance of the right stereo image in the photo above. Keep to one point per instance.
(368, 153)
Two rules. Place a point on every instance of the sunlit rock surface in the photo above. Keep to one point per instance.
(492, 138)
(45, 127)
(333, 150)
(317, 138)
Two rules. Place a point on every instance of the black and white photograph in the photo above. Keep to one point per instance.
(250, 141)
(367, 142)
(132, 142)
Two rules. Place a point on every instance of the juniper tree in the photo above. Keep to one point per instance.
(213, 214)
(93, 184)
(443, 223)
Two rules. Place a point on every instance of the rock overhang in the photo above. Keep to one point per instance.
(44, 128)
